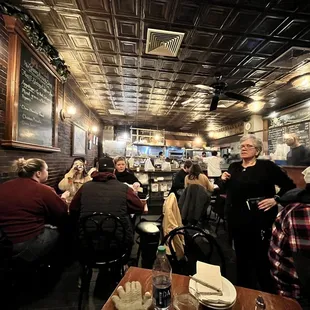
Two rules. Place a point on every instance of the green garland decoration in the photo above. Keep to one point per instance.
(37, 38)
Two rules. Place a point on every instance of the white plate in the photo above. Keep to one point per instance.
(228, 291)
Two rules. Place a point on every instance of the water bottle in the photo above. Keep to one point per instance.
(162, 280)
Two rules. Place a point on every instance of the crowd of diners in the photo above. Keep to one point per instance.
(268, 218)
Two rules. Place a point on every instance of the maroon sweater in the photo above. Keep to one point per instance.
(26, 205)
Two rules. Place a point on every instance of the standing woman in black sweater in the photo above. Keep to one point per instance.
(250, 222)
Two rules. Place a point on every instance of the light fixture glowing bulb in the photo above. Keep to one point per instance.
(256, 106)
(125, 135)
(157, 137)
(198, 140)
(273, 114)
(94, 129)
(71, 110)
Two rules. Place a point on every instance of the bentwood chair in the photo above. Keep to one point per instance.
(102, 242)
(199, 245)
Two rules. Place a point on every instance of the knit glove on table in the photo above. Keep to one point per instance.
(131, 298)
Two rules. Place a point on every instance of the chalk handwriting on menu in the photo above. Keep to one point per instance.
(36, 100)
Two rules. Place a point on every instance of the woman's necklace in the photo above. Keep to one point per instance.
(250, 164)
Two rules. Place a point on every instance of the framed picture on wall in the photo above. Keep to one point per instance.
(79, 138)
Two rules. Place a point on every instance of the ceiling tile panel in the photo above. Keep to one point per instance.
(225, 42)
(270, 48)
(187, 13)
(242, 21)
(100, 25)
(194, 55)
(215, 17)
(148, 63)
(47, 19)
(268, 25)
(234, 60)
(202, 39)
(157, 9)
(127, 28)
(105, 45)
(128, 47)
(165, 76)
(254, 61)
(108, 59)
(241, 73)
(81, 42)
(126, 7)
(88, 57)
(93, 69)
(249, 44)
(169, 65)
(73, 22)
(292, 29)
(188, 67)
(258, 74)
(59, 40)
(65, 3)
(102, 6)
(215, 57)
(130, 72)
(129, 61)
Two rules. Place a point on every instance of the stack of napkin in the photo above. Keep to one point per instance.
(209, 289)
(208, 278)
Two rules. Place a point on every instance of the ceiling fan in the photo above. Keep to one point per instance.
(218, 88)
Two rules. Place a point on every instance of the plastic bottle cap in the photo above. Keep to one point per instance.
(162, 249)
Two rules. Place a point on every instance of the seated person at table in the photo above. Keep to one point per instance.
(73, 180)
(290, 236)
(27, 207)
(124, 175)
(196, 176)
(106, 194)
(178, 181)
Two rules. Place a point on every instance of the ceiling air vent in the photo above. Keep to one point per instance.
(163, 43)
(116, 112)
(291, 58)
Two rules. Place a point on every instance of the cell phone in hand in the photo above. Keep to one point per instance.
(252, 203)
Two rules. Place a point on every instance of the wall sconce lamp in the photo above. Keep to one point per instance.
(94, 129)
(68, 113)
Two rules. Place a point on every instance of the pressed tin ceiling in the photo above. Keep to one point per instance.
(104, 43)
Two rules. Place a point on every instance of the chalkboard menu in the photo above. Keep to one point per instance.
(31, 121)
(35, 102)
(275, 137)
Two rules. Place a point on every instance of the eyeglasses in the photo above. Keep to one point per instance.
(246, 146)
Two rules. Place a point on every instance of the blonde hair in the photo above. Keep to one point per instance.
(26, 168)
(119, 158)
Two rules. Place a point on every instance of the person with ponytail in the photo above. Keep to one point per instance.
(30, 211)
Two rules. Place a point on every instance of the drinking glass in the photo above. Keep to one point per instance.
(185, 302)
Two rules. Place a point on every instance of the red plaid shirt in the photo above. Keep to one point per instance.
(290, 233)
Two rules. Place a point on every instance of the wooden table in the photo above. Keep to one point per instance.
(245, 297)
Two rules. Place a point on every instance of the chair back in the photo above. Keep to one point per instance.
(102, 238)
(199, 245)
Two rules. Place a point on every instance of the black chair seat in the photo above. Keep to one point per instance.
(148, 228)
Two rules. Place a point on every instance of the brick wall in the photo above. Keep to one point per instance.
(57, 162)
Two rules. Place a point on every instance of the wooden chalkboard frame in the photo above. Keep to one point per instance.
(16, 38)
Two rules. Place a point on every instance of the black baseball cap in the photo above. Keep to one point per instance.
(106, 164)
